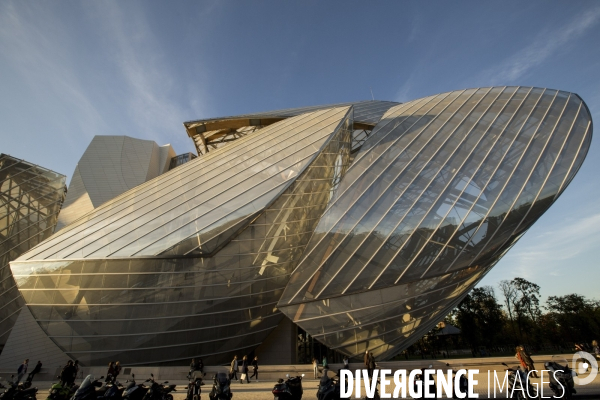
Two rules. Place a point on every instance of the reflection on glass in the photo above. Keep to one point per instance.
(441, 186)
(162, 310)
(30, 199)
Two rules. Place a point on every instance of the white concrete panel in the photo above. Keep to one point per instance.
(27, 340)
(110, 166)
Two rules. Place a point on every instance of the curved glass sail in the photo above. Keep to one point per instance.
(443, 185)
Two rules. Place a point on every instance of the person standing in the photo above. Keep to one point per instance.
(193, 367)
(75, 371)
(110, 372)
(233, 370)
(367, 363)
(345, 361)
(315, 368)
(596, 350)
(36, 370)
(325, 365)
(117, 369)
(67, 373)
(372, 365)
(255, 368)
(22, 370)
(200, 365)
(526, 361)
(244, 370)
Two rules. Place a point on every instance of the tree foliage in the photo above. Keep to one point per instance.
(480, 317)
(575, 317)
(518, 318)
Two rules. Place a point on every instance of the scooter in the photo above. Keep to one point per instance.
(111, 390)
(221, 389)
(195, 388)
(561, 375)
(159, 391)
(61, 391)
(463, 384)
(420, 378)
(329, 389)
(87, 390)
(133, 391)
(524, 390)
(18, 392)
(290, 389)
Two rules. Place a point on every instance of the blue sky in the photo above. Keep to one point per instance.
(71, 70)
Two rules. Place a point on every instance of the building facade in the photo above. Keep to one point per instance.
(110, 166)
(363, 223)
(30, 200)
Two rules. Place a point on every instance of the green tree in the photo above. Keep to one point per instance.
(522, 302)
(528, 302)
(509, 292)
(480, 319)
(577, 318)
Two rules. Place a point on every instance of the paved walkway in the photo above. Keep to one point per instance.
(269, 374)
(262, 390)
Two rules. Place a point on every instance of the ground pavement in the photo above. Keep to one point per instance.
(269, 374)
(262, 391)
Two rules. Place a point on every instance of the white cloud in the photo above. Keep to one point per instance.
(112, 78)
(541, 48)
(403, 95)
(32, 42)
(146, 71)
(555, 248)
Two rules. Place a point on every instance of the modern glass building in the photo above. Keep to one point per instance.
(30, 200)
(363, 223)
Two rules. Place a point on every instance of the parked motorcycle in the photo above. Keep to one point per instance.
(112, 390)
(133, 391)
(159, 391)
(561, 375)
(221, 389)
(87, 390)
(329, 388)
(195, 388)
(524, 390)
(463, 383)
(419, 378)
(18, 392)
(61, 391)
(290, 389)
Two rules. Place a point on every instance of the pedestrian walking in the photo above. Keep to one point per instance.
(255, 368)
(315, 368)
(22, 370)
(345, 361)
(244, 370)
(36, 370)
(233, 370)
(325, 365)
(526, 360)
(117, 369)
(110, 372)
